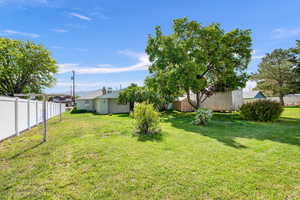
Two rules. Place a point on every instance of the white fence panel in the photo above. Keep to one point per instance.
(22, 115)
(18, 115)
(33, 113)
(7, 117)
(40, 111)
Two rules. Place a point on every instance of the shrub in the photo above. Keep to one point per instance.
(146, 119)
(203, 116)
(75, 111)
(262, 110)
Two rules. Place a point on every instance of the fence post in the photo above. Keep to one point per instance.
(44, 119)
(60, 112)
(28, 113)
(16, 117)
(36, 112)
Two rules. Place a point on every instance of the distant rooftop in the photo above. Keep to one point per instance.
(112, 95)
(91, 95)
(253, 94)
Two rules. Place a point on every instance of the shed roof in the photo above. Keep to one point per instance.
(253, 94)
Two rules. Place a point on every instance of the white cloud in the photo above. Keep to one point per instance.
(281, 33)
(59, 30)
(13, 32)
(250, 85)
(142, 64)
(63, 86)
(99, 84)
(257, 57)
(104, 65)
(80, 16)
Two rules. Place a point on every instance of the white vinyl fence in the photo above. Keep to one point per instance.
(289, 100)
(17, 115)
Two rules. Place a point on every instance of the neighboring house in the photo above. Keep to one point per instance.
(67, 100)
(254, 94)
(102, 102)
(87, 102)
(220, 101)
(108, 104)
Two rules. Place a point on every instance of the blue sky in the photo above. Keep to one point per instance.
(104, 41)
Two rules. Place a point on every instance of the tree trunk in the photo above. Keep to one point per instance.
(281, 99)
(191, 102)
(131, 106)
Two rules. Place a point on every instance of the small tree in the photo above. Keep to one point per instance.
(275, 73)
(203, 116)
(198, 59)
(146, 119)
(25, 67)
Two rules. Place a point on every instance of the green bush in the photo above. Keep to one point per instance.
(75, 111)
(146, 119)
(262, 110)
(203, 116)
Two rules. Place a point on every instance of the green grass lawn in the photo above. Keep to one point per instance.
(91, 156)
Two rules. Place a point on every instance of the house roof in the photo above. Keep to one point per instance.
(112, 95)
(253, 94)
(91, 95)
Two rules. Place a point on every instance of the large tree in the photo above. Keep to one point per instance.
(198, 59)
(25, 67)
(295, 83)
(275, 73)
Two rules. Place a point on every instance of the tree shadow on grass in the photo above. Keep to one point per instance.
(158, 137)
(25, 150)
(226, 127)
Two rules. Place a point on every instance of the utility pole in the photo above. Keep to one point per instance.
(73, 78)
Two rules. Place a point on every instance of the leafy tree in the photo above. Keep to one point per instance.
(135, 94)
(24, 67)
(156, 93)
(295, 82)
(131, 95)
(275, 73)
(198, 59)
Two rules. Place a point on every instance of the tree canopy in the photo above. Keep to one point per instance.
(295, 83)
(136, 94)
(198, 59)
(25, 67)
(275, 73)
(131, 95)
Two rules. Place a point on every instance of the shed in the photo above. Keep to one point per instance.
(220, 101)
(108, 104)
